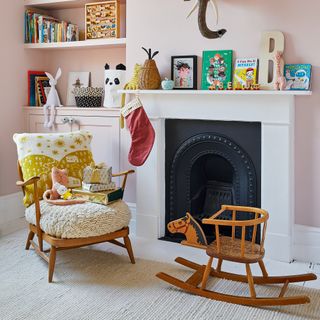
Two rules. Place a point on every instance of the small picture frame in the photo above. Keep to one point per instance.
(184, 71)
(76, 80)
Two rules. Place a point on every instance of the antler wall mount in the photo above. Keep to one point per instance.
(202, 19)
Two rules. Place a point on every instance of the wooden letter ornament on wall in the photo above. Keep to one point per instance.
(271, 42)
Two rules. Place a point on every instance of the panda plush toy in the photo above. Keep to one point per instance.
(114, 80)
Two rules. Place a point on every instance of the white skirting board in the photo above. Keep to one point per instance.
(133, 222)
(306, 245)
(11, 213)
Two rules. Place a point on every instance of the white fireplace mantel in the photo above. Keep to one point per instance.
(275, 111)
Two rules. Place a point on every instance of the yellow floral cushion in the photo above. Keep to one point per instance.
(38, 153)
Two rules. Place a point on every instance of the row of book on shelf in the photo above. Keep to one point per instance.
(41, 28)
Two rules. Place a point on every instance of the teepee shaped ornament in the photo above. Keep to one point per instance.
(149, 76)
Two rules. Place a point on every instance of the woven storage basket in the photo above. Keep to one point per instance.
(149, 76)
(88, 97)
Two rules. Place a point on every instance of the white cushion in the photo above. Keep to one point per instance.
(80, 220)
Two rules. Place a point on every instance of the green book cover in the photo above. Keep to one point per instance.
(216, 68)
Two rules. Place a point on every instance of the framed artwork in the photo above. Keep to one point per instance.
(184, 72)
(103, 19)
(76, 80)
(216, 68)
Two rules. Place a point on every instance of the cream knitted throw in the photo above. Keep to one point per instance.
(81, 220)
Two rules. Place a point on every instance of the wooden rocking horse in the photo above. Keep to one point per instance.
(232, 248)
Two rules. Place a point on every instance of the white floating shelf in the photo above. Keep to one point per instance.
(96, 43)
(59, 4)
(220, 92)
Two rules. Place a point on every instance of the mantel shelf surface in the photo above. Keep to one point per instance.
(219, 92)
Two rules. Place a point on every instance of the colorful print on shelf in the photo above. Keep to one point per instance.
(184, 72)
(298, 76)
(216, 68)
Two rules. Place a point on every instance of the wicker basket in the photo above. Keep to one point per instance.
(149, 76)
(88, 97)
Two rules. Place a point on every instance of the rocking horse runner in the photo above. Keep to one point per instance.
(232, 249)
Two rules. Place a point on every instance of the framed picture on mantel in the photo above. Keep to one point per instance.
(184, 72)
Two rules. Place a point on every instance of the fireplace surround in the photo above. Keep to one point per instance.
(275, 113)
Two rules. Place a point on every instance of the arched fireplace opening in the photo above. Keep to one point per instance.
(210, 163)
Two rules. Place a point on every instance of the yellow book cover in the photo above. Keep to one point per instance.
(245, 73)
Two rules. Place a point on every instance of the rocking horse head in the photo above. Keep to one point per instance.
(190, 228)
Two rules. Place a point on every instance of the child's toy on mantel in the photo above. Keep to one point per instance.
(114, 81)
(133, 84)
(280, 80)
(149, 76)
(53, 100)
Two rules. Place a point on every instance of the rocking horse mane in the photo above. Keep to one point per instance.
(201, 238)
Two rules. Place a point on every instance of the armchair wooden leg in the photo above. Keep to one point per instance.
(30, 237)
(127, 243)
(52, 261)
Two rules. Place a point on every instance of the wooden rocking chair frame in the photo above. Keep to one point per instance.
(58, 244)
(240, 251)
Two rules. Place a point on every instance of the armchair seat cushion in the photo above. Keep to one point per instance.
(80, 220)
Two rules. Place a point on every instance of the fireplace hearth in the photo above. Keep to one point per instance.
(210, 163)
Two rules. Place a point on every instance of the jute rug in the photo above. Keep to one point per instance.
(93, 284)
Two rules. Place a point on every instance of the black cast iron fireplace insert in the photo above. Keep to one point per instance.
(210, 163)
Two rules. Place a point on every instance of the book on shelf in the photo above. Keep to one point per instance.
(245, 73)
(216, 68)
(40, 28)
(38, 88)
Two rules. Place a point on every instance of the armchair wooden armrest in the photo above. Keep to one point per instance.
(125, 175)
(32, 180)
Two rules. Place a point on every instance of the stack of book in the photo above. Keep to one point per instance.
(41, 28)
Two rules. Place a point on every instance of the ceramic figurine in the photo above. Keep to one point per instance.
(167, 84)
(114, 81)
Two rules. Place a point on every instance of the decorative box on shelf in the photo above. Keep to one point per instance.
(103, 19)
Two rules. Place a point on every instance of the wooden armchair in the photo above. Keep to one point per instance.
(58, 244)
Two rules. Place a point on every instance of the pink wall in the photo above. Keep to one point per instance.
(15, 62)
(162, 25)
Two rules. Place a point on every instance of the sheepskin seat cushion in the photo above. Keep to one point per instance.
(80, 220)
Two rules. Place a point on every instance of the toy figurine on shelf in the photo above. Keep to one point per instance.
(280, 80)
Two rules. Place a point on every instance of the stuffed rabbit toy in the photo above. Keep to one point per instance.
(53, 100)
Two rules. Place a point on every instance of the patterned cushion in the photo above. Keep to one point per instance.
(38, 153)
(80, 220)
